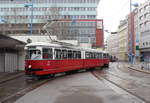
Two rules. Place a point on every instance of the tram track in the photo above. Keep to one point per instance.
(13, 97)
(10, 79)
(97, 74)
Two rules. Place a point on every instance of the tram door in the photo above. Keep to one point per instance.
(57, 58)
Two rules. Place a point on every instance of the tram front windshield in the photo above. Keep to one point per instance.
(33, 54)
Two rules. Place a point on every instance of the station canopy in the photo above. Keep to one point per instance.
(7, 42)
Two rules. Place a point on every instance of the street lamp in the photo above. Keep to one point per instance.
(31, 23)
(131, 56)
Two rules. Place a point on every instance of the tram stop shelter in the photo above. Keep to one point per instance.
(11, 54)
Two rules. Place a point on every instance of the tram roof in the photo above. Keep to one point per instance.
(105, 51)
(43, 44)
(48, 44)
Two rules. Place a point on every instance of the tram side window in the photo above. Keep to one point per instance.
(47, 53)
(70, 54)
(92, 55)
(97, 55)
(100, 55)
(79, 55)
(64, 54)
(107, 56)
(57, 54)
(87, 55)
(75, 54)
(104, 56)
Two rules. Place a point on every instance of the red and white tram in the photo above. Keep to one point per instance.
(47, 58)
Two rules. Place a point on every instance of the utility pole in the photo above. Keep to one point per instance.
(31, 23)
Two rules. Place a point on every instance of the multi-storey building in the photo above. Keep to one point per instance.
(144, 27)
(17, 16)
(123, 40)
(112, 45)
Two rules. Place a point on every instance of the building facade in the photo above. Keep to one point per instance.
(112, 45)
(123, 40)
(84, 30)
(144, 27)
(17, 16)
(16, 11)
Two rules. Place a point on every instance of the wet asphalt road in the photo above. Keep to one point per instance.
(134, 82)
(14, 89)
(118, 84)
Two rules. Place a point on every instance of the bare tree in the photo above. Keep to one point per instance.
(60, 28)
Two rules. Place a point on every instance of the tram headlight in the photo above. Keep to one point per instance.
(29, 66)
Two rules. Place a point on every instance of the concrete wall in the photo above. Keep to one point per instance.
(11, 62)
(21, 60)
(2, 59)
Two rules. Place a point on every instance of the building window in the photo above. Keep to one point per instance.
(141, 10)
(145, 7)
(141, 17)
(145, 15)
(141, 25)
(146, 23)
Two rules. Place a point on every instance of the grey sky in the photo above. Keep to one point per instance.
(112, 11)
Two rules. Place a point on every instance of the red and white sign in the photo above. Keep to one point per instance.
(99, 25)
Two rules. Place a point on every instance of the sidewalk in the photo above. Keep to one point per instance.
(9, 76)
(140, 66)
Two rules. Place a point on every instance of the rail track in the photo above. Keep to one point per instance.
(99, 75)
(31, 85)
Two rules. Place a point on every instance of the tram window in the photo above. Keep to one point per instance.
(104, 56)
(79, 55)
(97, 55)
(92, 55)
(47, 53)
(100, 55)
(58, 54)
(33, 54)
(87, 55)
(75, 54)
(64, 54)
(107, 56)
(70, 54)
